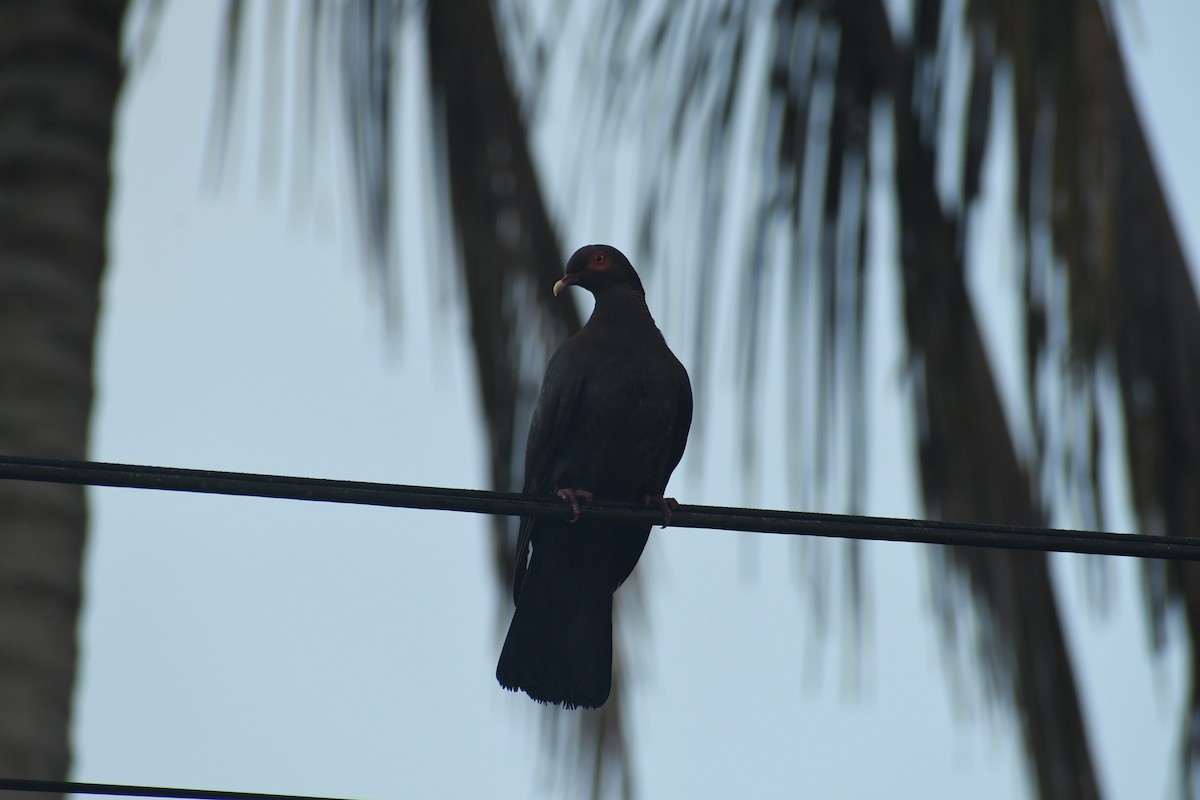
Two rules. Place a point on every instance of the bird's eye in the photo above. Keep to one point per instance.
(598, 258)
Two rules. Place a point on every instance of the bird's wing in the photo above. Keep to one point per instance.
(554, 418)
(683, 423)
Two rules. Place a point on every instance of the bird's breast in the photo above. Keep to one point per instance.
(630, 413)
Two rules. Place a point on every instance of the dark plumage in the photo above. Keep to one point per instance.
(612, 420)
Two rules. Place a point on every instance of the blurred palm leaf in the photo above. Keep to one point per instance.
(837, 79)
(1082, 165)
(501, 242)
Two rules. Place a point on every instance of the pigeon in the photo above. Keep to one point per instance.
(611, 423)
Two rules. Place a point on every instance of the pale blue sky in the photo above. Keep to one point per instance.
(320, 649)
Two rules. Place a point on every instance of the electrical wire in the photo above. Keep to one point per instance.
(1011, 537)
(125, 790)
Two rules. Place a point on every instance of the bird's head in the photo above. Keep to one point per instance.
(598, 267)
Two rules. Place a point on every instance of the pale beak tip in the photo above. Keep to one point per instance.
(558, 287)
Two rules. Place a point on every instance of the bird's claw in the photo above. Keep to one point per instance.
(666, 505)
(572, 497)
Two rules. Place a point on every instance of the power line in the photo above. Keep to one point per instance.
(124, 790)
(1011, 537)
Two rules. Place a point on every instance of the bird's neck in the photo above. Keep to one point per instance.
(623, 305)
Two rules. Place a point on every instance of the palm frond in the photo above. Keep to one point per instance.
(367, 50)
(969, 465)
(1107, 293)
(229, 62)
(510, 254)
(828, 64)
(343, 53)
(497, 231)
(1131, 303)
(142, 22)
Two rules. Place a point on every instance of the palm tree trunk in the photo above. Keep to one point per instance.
(62, 73)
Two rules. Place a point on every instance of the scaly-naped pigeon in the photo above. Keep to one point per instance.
(611, 423)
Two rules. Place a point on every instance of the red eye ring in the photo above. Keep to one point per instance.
(598, 258)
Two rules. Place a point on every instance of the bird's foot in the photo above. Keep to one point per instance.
(666, 505)
(573, 497)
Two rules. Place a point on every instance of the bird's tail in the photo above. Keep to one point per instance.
(559, 645)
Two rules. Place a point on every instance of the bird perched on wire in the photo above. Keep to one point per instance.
(611, 423)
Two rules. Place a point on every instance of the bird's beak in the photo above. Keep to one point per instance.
(567, 280)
